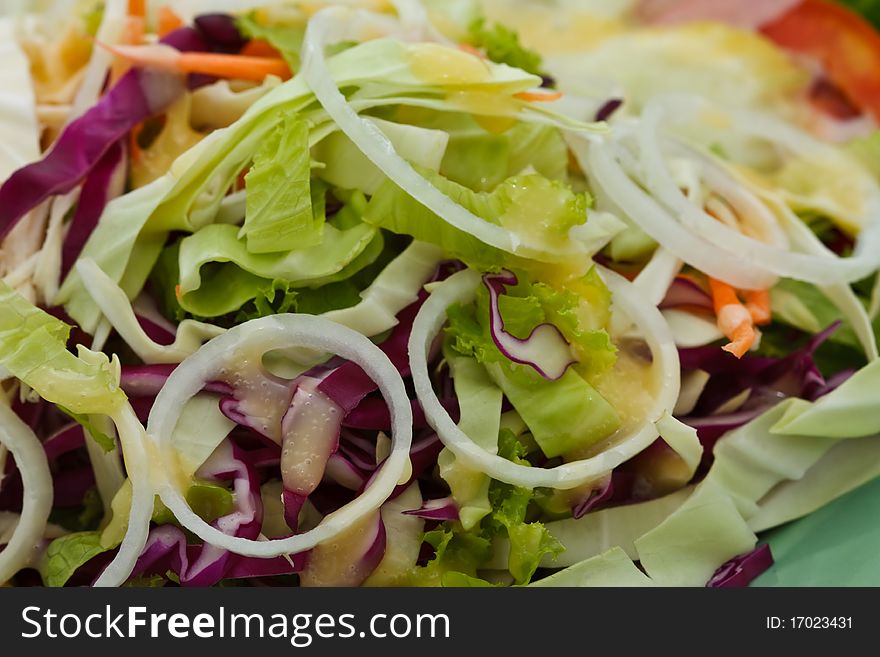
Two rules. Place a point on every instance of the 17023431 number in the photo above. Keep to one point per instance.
(820, 622)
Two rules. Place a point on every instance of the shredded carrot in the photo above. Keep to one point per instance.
(758, 305)
(734, 320)
(238, 67)
(133, 144)
(178, 292)
(137, 8)
(168, 20)
(538, 97)
(260, 48)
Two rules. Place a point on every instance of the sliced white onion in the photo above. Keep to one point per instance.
(111, 31)
(38, 492)
(691, 330)
(657, 276)
(115, 306)
(138, 465)
(460, 288)
(753, 253)
(599, 160)
(251, 340)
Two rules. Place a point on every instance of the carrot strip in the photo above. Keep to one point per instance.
(260, 48)
(742, 340)
(538, 97)
(168, 20)
(134, 146)
(758, 305)
(238, 67)
(734, 320)
(137, 8)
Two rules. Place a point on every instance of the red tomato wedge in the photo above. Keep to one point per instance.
(846, 45)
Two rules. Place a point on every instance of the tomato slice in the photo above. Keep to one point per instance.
(845, 44)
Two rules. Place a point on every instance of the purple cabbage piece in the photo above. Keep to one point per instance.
(220, 31)
(686, 293)
(360, 451)
(741, 570)
(292, 503)
(523, 351)
(138, 95)
(422, 455)
(608, 109)
(340, 470)
(167, 551)
(67, 439)
(71, 479)
(372, 414)
(440, 510)
(206, 565)
(348, 385)
(596, 498)
(156, 332)
(105, 182)
(145, 381)
(769, 379)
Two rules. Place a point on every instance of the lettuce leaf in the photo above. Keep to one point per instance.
(530, 542)
(502, 45)
(480, 418)
(849, 411)
(286, 36)
(279, 214)
(611, 568)
(66, 554)
(218, 274)
(32, 348)
(703, 533)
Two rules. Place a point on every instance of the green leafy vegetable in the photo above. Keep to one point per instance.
(286, 36)
(611, 568)
(68, 553)
(218, 274)
(870, 9)
(279, 214)
(32, 348)
(107, 443)
(480, 418)
(502, 45)
(529, 541)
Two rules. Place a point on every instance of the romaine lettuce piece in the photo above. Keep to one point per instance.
(32, 348)
(279, 214)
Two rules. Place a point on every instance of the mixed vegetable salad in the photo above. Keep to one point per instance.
(450, 293)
